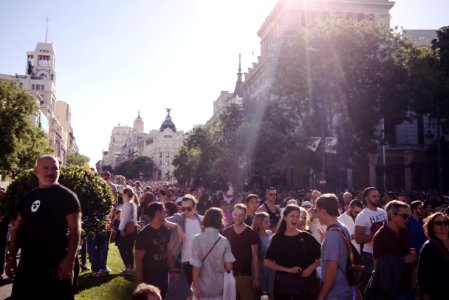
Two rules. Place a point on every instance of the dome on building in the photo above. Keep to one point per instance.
(138, 123)
(168, 123)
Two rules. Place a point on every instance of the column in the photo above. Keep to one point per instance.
(408, 158)
(373, 160)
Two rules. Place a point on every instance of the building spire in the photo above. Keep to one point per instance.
(238, 84)
(46, 29)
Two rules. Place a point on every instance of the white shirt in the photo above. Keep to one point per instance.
(350, 224)
(128, 215)
(193, 227)
(372, 220)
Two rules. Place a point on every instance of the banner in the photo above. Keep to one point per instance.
(313, 143)
(330, 145)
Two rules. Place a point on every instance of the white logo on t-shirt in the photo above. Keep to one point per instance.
(35, 205)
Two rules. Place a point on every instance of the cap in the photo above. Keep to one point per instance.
(306, 204)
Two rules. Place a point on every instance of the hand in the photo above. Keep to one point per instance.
(65, 269)
(10, 268)
(306, 272)
(321, 232)
(294, 270)
(196, 291)
(410, 258)
(174, 274)
(256, 284)
(122, 233)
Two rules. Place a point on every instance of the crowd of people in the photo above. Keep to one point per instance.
(290, 248)
(290, 245)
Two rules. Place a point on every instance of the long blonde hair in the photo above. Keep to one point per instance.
(258, 219)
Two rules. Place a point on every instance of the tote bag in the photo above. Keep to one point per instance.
(229, 292)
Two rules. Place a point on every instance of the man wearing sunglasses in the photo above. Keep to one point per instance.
(190, 222)
(270, 207)
(393, 260)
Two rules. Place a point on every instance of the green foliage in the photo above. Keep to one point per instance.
(339, 78)
(94, 193)
(22, 143)
(140, 167)
(78, 159)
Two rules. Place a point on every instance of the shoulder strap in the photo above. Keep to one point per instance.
(210, 250)
(342, 235)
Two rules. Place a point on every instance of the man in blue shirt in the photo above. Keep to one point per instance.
(415, 225)
(334, 252)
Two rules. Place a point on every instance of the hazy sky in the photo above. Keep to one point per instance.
(115, 58)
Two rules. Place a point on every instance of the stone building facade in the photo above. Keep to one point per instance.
(160, 145)
(53, 116)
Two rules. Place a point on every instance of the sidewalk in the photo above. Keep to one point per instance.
(5, 289)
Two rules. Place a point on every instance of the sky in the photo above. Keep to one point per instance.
(116, 58)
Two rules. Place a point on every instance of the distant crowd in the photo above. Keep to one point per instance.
(264, 237)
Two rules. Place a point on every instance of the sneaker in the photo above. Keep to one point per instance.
(105, 271)
(84, 268)
(126, 271)
(96, 274)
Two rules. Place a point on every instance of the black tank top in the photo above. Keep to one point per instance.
(274, 216)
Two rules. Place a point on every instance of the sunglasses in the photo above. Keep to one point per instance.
(404, 216)
(186, 208)
(441, 223)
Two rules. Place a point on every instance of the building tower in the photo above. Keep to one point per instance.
(138, 124)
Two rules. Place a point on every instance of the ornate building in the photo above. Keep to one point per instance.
(401, 162)
(160, 145)
(53, 116)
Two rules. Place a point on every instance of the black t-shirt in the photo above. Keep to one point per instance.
(241, 248)
(288, 251)
(154, 242)
(43, 234)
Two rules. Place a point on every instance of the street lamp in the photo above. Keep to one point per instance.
(321, 106)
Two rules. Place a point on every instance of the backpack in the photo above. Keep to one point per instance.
(354, 264)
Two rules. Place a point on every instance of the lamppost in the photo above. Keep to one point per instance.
(320, 105)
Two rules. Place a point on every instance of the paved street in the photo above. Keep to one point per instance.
(5, 289)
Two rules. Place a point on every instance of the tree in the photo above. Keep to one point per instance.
(22, 143)
(78, 159)
(338, 78)
(138, 168)
(94, 193)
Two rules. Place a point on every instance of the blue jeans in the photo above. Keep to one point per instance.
(97, 247)
(409, 296)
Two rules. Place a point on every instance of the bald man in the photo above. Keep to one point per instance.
(47, 230)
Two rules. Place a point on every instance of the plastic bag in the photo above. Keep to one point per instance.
(229, 292)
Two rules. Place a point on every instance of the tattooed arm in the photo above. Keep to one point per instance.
(65, 268)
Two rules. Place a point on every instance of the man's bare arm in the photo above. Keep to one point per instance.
(10, 267)
(361, 237)
(65, 268)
